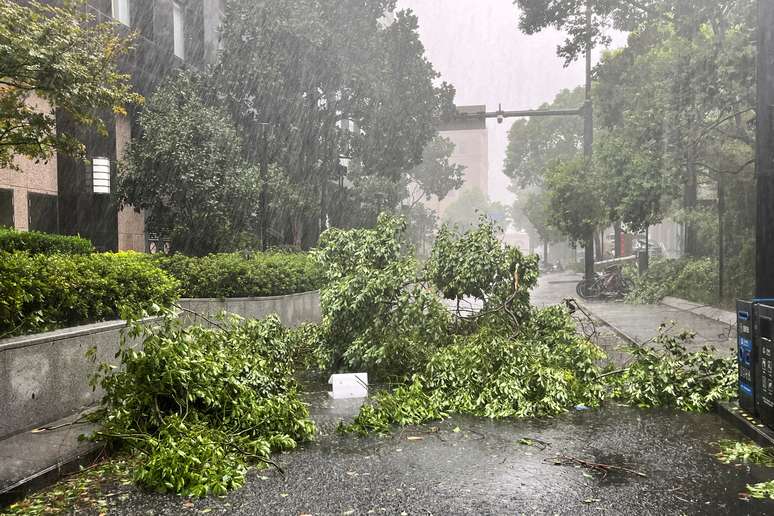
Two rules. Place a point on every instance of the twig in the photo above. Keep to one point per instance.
(258, 458)
(611, 373)
(563, 460)
(199, 315)
(537, 443)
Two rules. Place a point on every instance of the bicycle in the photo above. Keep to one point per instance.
(611, 284)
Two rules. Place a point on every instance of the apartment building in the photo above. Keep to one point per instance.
(60, 196)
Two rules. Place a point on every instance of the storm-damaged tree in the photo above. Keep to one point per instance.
(334, 80)
(56, 58)
(187, 171)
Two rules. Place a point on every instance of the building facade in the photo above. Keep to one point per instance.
(471, 150)
(58, 196)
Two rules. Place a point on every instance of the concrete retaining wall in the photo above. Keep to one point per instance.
(293, 309)
(45, 377)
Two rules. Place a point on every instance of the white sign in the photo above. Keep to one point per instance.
(353, 385)
(101, 175)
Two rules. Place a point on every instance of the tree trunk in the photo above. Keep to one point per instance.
(721, 237)
(690, 196)
(598, 246)
(545, 252)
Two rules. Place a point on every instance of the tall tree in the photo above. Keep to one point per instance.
(335, 80)
(534, 143)
(186, 170)
(62, 56)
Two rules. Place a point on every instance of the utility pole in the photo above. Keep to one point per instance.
(764, 155)
(263, 207)
(588, 141)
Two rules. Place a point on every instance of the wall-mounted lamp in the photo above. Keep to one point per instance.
(101, 175)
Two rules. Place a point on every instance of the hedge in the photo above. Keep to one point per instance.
(35, 242)
(45, 292)
(237, 275)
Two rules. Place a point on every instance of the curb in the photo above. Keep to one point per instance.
(708, 312)
(618, 331)
(50, 475)
(749, 425)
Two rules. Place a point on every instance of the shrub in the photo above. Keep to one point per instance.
(46, 292)
(197, 403)
(35, 242)
(238, 275)
(694, 280)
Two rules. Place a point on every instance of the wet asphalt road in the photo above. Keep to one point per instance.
(484, 469)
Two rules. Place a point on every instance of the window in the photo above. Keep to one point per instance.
(43, 212)
(178, 29)
(6, 208)
(121, 11)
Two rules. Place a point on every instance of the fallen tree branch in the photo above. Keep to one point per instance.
(565, 460)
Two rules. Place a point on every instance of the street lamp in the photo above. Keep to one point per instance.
(100, 169)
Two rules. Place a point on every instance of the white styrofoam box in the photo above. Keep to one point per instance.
(352, 385)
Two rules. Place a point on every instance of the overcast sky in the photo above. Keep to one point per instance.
(477, 46)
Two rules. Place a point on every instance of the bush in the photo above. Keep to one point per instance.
(238, 275)
(197, 403)
(35, 242)
(694, 280)
(45, 292)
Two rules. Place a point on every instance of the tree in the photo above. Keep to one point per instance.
(436, 175)
(466, 211)
(334, 81)
(62, 56)
(531, 212)
(535, 142)
(632, 182)
(187, 172)
(575, 205)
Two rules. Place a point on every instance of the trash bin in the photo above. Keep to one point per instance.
(747, 356)
(642, 260)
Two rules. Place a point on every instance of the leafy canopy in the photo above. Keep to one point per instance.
(187, 172)
(56, 57)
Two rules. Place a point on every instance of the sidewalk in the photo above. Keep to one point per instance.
(640, 323)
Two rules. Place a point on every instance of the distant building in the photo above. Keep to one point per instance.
(471, 150)
(57, 196)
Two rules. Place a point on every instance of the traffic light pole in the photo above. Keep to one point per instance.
(588, 143)
(586, 111)
(764, 155)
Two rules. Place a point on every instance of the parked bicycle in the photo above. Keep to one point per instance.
(611, 284)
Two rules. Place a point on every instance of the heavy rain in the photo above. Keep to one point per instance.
(403, 257)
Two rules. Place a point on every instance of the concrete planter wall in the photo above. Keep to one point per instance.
(45, 377)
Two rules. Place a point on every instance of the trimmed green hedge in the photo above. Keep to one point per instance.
(45, 292)
(35, 242)
(235, 275)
